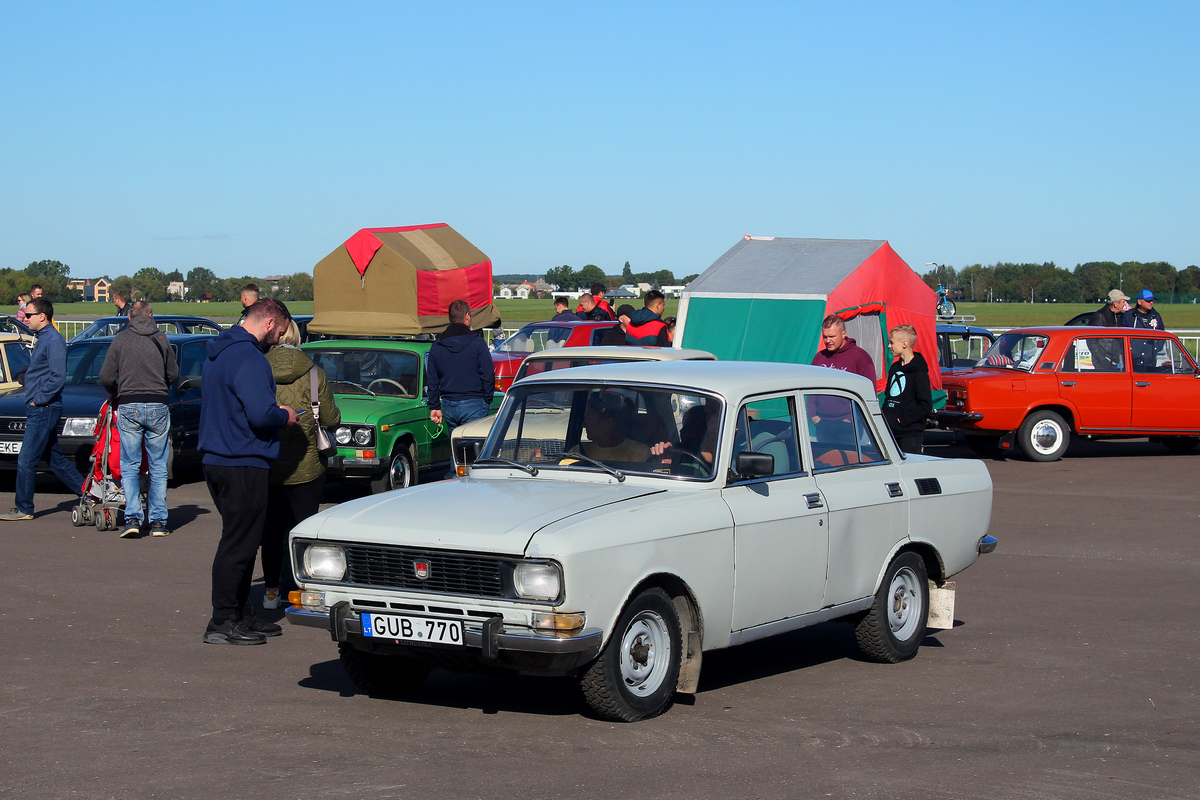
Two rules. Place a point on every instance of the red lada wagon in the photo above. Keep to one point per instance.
(1036, 387)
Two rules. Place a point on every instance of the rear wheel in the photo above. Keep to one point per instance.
(384, 676)
(1181, 444)
(894, 627)
(400, 474)
(1044, 436)
(77, 516)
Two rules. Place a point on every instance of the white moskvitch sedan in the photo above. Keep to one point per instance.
(623, 519)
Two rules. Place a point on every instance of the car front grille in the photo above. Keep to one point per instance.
(14, 427)
(449, 573)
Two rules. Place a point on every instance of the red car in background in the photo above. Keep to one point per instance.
(1036, 387)
(538, 336)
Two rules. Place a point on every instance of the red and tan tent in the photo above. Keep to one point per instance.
(401, 282)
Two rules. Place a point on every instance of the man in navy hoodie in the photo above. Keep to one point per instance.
(461, 376)
(239, 435)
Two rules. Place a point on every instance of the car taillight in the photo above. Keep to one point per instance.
(957, 398)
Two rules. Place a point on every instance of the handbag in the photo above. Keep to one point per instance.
(326, 447)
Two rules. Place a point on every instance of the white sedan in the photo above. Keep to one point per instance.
(623, 519)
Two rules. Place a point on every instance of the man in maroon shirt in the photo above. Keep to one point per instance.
(842, 352)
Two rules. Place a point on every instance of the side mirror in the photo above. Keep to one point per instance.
(754, 465)
(467, 450)
(20, 376)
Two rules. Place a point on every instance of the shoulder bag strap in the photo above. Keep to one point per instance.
(314, 397)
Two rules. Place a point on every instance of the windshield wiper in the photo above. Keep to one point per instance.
(616, 473)
(358, 386)
(532, 470)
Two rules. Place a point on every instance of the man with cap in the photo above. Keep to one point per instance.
(616, 336)
(1111, 315)
(1143, 314)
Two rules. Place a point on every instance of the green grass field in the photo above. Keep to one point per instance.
(1017, 315)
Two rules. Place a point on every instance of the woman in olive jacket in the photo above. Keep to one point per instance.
(298, 475)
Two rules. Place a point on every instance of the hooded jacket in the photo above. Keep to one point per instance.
(850, 358)
(908, 396)
(239, 418)
(140, 366)
(298, 460)
(460, 367)
(646, 329)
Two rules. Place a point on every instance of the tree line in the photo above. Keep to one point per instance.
(148, 284)
(1042, 283)
(567, 279)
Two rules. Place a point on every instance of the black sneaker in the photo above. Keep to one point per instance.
(232, 632)
(252, 623)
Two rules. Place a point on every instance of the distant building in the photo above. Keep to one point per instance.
(93, 290)
(673, 291)
(515, 291)
(176, 289)
(623, 293)
(274, 281)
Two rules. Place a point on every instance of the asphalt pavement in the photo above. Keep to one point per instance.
(1073, 671)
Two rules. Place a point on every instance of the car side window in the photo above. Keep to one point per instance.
(599, 334)
(1095, 354)
(191, 362)
(769, 426)
(18, 357)
(839, 433)
(1159, 356)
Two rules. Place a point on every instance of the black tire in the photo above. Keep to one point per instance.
(982, 445)
(633, 679)
(1180, 444)
(946, 307)
(381, 676)
(894, 627)
(77, 516)
(400, 473)
(1043, 436)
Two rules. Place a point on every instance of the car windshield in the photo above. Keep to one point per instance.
(387, 373)
(535, 339)
(1015, 351)
(84, 362)
(614, 429)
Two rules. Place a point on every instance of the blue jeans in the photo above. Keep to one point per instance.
(460, 412)
(151, 423)
(41, 441)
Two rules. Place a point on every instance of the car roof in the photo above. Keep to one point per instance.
(946, 327)
(621, 351)
(1083, 330)
(158, 318)
(731, 379)
(174, 338)
(411, 345)
(574, 323)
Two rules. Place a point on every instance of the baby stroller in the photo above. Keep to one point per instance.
(103, 494)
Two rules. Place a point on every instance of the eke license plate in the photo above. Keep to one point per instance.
(10, 448)
(412, 629)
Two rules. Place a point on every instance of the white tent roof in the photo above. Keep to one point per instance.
(778, 267)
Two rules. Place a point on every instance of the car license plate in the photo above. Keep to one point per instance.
(10, 448)
(412, 629)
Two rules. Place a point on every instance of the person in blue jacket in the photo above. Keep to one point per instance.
(239, 436)
(462, 378)
(44, 381)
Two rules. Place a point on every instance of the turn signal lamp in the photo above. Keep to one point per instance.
(554, 621)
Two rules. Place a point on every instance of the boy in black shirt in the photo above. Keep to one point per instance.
(908, 399)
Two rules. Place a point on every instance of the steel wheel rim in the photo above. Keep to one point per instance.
(904, 603)
(1046, 436)
(645, 654)
(399, 473)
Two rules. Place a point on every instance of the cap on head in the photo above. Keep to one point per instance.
(1145, 294)
(624, 310)
(1116, 296)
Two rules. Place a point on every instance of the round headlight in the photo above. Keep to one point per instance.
(362, 436)
(342, 435)
(326, 562)
(537, 581)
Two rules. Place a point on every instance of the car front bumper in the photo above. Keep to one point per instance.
(77, 449)
(489, 645)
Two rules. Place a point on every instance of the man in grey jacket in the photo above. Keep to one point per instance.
(138, 372)
(44, 381)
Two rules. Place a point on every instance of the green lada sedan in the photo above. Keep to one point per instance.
(385, 436)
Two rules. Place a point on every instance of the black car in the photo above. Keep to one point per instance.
(83, 396)
(111, 326)
(10, 324)
(1086, 318)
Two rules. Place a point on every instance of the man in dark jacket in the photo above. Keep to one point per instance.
(138, 372)
(44, 381)
(461, 376)
(239, 435)
(121, 301)
(841, 351)
(561, 314)
(616, 334)
(908, 398)
(646, 326)
(1143, 314)
(1111, 314)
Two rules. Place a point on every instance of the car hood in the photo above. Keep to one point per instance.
(479, 515)
(78, 401)
(363, 409)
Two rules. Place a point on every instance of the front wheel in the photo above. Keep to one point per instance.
(635, 676)
(945, 307)
(1044, 436)
(401, 473)
(382, 676)
(894, 627)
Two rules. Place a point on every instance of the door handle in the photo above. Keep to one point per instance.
(894, 490)
(813, 500)
(1141, 383)
(1068, 383)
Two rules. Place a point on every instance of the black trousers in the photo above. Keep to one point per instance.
(911, 442)
(240, 494)
(287, 506)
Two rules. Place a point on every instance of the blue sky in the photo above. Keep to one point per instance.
(253, 138)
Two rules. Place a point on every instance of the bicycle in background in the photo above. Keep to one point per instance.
(945, 306)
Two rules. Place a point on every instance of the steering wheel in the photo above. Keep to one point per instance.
(386, 380)
(679, 453)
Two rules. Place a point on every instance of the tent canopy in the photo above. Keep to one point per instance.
(401, 282)
(765, 298)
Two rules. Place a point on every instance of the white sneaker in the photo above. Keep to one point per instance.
(271, 599)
